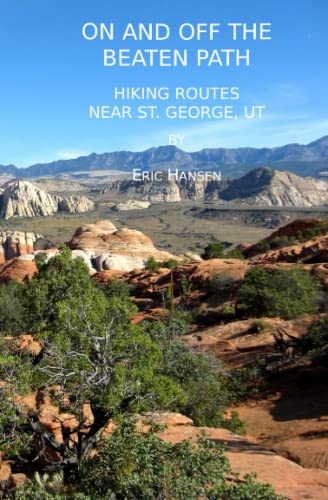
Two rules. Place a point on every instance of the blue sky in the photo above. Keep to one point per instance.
(50, 76)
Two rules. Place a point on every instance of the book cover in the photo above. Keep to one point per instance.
(163, 249)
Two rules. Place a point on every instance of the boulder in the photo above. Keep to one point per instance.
(111, 248)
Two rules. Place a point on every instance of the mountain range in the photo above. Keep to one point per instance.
(310, 159)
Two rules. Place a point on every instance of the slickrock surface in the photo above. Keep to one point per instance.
(293, 419)
(245, 456)
(312, 251)
(111, 248)
(17, 269)
(291, 230)
(242, 343)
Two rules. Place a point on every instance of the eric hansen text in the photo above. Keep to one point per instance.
(175, 175)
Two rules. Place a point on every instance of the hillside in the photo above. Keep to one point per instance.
(263, 186)
(266, 186)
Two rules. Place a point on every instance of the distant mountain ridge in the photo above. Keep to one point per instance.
(310, 159)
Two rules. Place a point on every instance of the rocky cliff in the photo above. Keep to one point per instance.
(25, 199)
(266, 186)
(263, 186)
(168, 190)
(75, 204)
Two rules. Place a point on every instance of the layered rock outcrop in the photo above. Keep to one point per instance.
(110, 248)
(75, 205)
(243, 343)
(16, 244)
(168, 190)
(25, 199)
(132, 205)
(266, 186)
(18, 269)
(292, 230)
(263, 186)
(311, 252)
(246, 456)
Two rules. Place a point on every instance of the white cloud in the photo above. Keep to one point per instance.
(69, 154)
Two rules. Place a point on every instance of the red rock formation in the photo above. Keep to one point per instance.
(17, 269)
(312, 251)
(290, 230)
(26, 342)
(293, 228)
(16, 243)
(242, 343)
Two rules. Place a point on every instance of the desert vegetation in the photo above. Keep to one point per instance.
(96, 367)
(286, 293)
(89, 365)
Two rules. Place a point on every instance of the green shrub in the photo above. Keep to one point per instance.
(282, 242)
(319, 333)
(140, 466)
(229, 310)
(152, 264)
(12, 309)
(206, 384)
(235, 253)
(286, 293)
(312, 232)
(170, 264)
(221, 282)
(260, 324)
(316, 342)
(262, 247)
(117, 288)
(214, 251)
